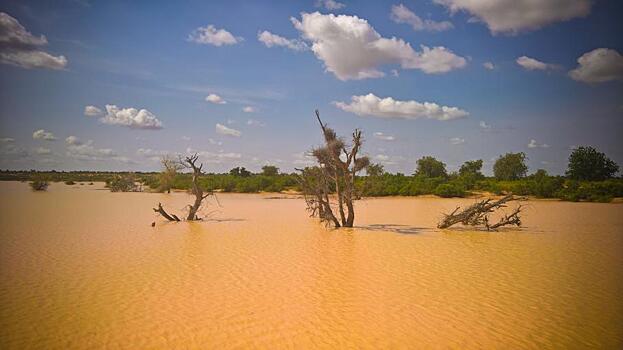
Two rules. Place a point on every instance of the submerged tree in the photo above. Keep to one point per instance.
(189, 163)
(338, 165)
(39, 183)
(477, 214)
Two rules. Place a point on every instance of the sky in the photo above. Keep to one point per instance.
(114, 85)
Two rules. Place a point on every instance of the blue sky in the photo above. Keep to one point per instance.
(155, 63)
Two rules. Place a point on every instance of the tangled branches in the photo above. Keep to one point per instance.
(477, 214)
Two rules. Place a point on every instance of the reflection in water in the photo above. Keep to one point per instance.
(83, 268)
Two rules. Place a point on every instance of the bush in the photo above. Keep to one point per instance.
(450, 189)
(122, 183)
(39, 185)
(70, 182)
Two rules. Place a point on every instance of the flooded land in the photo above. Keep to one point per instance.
(82, 268)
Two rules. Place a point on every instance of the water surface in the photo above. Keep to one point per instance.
(82, 268)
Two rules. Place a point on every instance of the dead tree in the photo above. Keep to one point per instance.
(195, 189)
(478, 213)
(337, 170)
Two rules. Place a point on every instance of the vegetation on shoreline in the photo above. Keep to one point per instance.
(595, 182)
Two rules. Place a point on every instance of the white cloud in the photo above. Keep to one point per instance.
(20, 48)
(249, 109)
(531, 64)
(186, 138)
(131, 117)
(388, 160)
(7, 140)
(151, 154)
(212, 36)
(394, 72)
(401, 14)
(253, 122)
(303, 159)
(598, 66)
(73, 140)
(214, 142)
(457, 141)
(488, 65)
(381, 136)
(92, 111)
(514, 16)
(351, 49)
(43, 135)
(42, 150)
(216, 99)
(484, 125)
(389, 108)
(330, 4)
(269, 39)
(212, 157)
(223, 130)
(86, 151)
(534, 144)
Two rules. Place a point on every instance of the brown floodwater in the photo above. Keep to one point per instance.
(82, 268)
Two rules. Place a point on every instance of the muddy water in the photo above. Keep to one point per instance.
(82, 268)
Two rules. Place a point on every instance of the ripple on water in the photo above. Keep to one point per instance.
(88, 271)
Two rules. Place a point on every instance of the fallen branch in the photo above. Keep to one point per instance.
(161, 211)
(478, 214)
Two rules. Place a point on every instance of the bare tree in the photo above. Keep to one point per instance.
(338, 167)
(189, 163)
(477, 214)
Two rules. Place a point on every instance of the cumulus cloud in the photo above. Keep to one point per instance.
(253, 122)
(389, 108)
(214, 142)
(484, 125)
(42, 151)
(43, 135)
(303, 158)
(215, 157)
(514, 16)
(131, 117)
(20, 48)
(249, 109)
(216, 99)
(270, 40)
(73, 140)
(186, 138)
(350, 48)
(7, 140)
(87, 151)
(598, 66)
(388, 160)
(381, 136)
(534, 144)
(401, 14)
(488, 65)
(330, 4)
(531, 64)
(457, 141)
(209, 35)
(92, 111)
(223, 130)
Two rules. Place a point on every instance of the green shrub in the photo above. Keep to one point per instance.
(122, 183)
(450, 189)
(39, 185)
